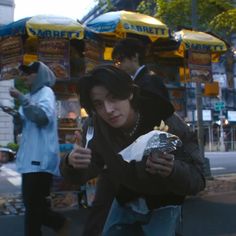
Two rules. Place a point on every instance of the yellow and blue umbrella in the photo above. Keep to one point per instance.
(44, 26)
(197, 40)
(19, 42)
(121, 23)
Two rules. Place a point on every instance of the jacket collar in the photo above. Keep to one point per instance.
(140, 72)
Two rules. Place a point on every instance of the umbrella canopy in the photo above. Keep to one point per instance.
(194, 40)
(204, 49)
(44, 26)
(121, 23)
(48, 38)
(200, 41)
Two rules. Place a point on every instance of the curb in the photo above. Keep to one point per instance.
(218, 185)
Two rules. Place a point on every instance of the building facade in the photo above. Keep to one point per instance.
(6, 125)
(6, 11)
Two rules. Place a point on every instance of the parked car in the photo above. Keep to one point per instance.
(6, 155)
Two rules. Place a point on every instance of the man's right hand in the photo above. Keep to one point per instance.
(79, 157)
(15, 93)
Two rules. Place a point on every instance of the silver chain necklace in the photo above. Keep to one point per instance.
(133, 131)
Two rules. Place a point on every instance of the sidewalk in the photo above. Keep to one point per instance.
(210, 213)
(220, 184)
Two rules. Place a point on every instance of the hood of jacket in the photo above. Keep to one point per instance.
(45, 77)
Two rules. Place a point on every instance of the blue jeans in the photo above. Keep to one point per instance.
(124, 221)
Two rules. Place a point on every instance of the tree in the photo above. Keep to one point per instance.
(148, 7)
(224, 24)
(107, 3)
(177, 13)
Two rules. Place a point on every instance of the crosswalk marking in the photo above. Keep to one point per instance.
(12, 176)
(15, 180)
(218, 168)
(9, 171)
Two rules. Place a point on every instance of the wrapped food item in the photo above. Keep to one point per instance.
(153, 141)
(162, 141)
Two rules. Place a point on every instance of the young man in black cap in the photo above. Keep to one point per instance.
(38, 155)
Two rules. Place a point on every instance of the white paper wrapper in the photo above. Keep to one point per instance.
(153, 141)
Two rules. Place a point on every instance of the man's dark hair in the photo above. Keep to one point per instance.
(116, 81)
(128, 48)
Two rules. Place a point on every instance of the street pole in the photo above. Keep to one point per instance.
(198, 90)
(200, 134)
(222, 143)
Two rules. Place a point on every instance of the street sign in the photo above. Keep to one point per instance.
(219, 106)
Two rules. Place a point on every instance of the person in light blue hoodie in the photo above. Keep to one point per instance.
(38, 155)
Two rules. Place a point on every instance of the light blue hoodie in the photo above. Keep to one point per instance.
(39, 147)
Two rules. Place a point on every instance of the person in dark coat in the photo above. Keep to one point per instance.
(121, 114)
(128, 55)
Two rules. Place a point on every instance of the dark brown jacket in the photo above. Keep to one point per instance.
(131, 179)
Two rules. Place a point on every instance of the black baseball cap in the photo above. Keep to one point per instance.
(31, 68)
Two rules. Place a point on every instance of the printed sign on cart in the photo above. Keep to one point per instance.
(199, 64)
(55, 54)
(11, 56)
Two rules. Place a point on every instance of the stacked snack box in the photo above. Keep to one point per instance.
(93, 53)
(11, 56)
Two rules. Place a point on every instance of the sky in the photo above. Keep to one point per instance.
(74, 9)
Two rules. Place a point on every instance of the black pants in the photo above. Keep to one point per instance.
(35, 190)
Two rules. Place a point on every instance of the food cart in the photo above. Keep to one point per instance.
(59, 42)
(194, 60)
(190, 60)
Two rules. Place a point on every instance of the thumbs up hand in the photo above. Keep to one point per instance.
(79, 157)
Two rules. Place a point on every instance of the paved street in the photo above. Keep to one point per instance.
(208, 216)
(7, 222)
(222, 163)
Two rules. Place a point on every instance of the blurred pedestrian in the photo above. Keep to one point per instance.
(120, 116)
(38, 155)
(129, 55)
(6, 155)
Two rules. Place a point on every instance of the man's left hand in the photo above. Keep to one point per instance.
(160, 163)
